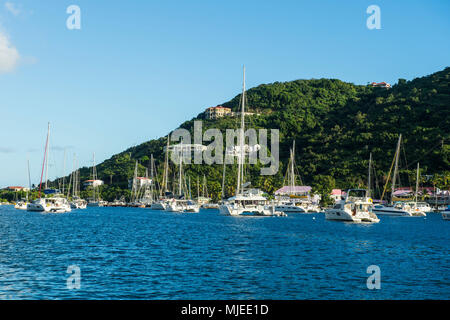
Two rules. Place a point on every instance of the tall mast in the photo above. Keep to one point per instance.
(29, 177)
(397, 155)
(241, 140)
(189, 181)
(134, 186)
(179, 177)
(151, 175)
(166, 169)
(205, 187)
(292, 167)
(46, 163)
(74, 187)
(223, 180)
(198, 188)
(45, 158)
(64, 172)
(417, 182)
(93, 175)
(368, 180)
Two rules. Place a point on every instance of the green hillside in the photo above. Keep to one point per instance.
(335, 125)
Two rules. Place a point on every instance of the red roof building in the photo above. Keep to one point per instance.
(380, 85)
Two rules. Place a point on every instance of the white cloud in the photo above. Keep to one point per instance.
(9, 56)
(11, 7)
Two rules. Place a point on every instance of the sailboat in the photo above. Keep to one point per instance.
(293, 199)
(77, 202)
(55, 204)
(399, 208)
(94, 201)
(247, 201)
(412, 207)
(165, 195)
(147, 198)
(181, 204)
(22, 204)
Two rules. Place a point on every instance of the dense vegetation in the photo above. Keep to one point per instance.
(336, 125)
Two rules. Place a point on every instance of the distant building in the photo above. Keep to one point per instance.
(238, 114)
(186, 148)
(140, 182)
(336, 195)
(16, 189)
(93, 183)
(381, 85)
(217, 112)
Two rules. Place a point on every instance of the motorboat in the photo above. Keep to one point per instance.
(21, 205)
(446, 213)
(181, 205)
(50, 205)
(387, 210)
(356, 207)
(78, 203)
(290, 207)
(249, 202)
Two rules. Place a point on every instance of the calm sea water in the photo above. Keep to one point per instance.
(131, 253)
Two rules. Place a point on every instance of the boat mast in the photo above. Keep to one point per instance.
(417, 182)
(368, 180)
(45, 158)
(64, 172)
(397, 155)
(166, 169)
(198, 188)
(223, 181)
(179, 177)
(205, 187)
(29, 178)
(74, 192)
(151, 175)
(292, 167)
(93, 176)
(241, 140)
(134, 187)
(46, 163)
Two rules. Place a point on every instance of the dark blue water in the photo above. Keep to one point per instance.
(131, 253)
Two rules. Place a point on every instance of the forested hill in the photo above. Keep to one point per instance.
(335, 125)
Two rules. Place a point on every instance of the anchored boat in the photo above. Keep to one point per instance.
(356, 207)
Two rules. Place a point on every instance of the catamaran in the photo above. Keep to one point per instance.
(406, 209)
(180, 204)
(292, 198)
(246, 201)
(356, 207)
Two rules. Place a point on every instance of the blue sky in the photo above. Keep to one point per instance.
(138, 69)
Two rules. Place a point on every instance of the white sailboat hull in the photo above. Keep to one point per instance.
(390, 211)
(342, 215)
(233, 210)
(159, 205)
(21, 206)
(290, 209)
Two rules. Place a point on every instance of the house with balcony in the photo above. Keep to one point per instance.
(217, 112)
